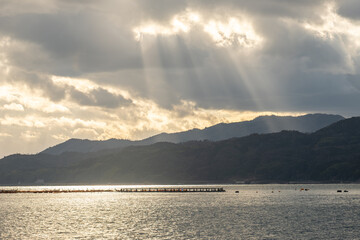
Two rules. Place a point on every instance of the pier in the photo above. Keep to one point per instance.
(171, 189)
(125, 190)
(56, 191)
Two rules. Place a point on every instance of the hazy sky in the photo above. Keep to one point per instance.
(130, 69)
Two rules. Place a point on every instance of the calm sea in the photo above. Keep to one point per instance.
(256, 212)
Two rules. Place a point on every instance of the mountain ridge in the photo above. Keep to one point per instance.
(331, 154)
(217, 132)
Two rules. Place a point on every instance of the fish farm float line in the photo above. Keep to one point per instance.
(126, 190)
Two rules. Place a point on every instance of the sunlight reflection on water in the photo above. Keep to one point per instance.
(256, 212)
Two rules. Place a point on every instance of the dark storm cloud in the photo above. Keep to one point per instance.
(354, 80)
(49, 89)
(349, 9)
(161, 10)
(98, 97)
(290, 41)
(261, 8)
(86, 42)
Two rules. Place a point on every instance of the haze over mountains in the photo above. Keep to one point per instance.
(331, 154)
(264, 124)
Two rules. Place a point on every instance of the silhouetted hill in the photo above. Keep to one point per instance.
(265, 124)
(330, 154)
(85, 145)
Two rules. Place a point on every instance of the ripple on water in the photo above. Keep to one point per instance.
(257, 212)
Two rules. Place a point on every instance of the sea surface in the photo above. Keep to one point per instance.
(268, 211)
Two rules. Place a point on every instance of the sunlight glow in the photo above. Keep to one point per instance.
(4, 66)
(335, 25)
(233, 32)
(224, 33)
(29, 121)
(82, 85)
(68, 120)
(29, 135)
(77, 122)
(179, 23)
(27, 99)
(14, 107)
(85, 85)
(5, 135)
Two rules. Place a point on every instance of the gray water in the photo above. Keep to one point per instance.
(256, 212)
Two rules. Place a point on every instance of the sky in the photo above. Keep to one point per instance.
(131, 69)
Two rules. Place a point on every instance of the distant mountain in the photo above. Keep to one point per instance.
(264, 124)
(331, 154)
(84, 145)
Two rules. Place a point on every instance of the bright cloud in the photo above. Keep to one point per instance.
(334, 25)
(232, 32)
(179, 23)
(27, 99)
(4, 67)
(14, 106)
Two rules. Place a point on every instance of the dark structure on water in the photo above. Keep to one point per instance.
(127, 190)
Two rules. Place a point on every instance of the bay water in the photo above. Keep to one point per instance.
(270, 211)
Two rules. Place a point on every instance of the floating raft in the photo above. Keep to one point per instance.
(194, 189)
(56, 191)
(153, 189)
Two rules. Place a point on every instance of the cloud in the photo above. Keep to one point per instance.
(354, 80)
(349, 9)
(98, 97)
(9, 7)
(161, 10)
(77, 42)
(136, 68)
(14, 107)
(170, 52)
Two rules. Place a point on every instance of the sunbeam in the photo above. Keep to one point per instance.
(131, 70)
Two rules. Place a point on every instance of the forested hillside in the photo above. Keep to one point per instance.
(330, 154)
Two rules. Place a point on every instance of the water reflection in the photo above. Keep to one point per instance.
(256, 212)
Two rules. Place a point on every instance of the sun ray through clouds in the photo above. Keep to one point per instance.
(130, 70)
